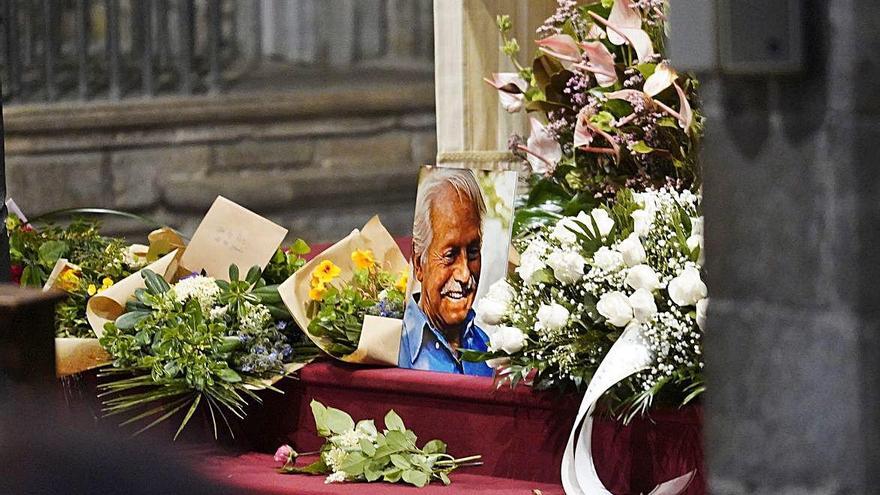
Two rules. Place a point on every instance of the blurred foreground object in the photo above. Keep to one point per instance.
(27, 335)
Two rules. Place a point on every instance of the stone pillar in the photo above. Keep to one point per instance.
(793, 257)
(466, 49)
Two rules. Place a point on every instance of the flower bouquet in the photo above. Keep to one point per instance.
(80, 261)
(583, 282)
(360, 452)
(615, 112)
(349, 299)
(182, 333)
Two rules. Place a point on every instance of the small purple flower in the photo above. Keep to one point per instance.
(281, 325)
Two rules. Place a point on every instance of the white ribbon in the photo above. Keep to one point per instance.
(629, 355)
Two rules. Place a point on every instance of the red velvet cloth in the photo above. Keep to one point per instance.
(520, 433)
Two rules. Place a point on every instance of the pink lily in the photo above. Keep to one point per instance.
(662, 78)
(600, 62)
(511, 90)
(636, 37)
(585, 131)
(561, 47)
(624, 16)
(543, 152)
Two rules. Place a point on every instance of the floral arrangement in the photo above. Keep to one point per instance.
(359, 452)
(198, 340)
(97, 263)
(583, 281)
(337, 310)
(614, 112)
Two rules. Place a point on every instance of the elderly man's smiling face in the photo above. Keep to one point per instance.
(451, 271)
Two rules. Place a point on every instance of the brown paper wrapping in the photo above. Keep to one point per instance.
(228, 234)
(75, 355)
(380, 337)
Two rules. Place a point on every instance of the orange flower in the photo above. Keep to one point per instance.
(363, 259)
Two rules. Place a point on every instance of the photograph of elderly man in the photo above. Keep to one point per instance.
(447, 242)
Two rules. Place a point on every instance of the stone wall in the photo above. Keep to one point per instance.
(318, 161)
(792, 216)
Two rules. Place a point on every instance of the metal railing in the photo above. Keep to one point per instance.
(116, 49)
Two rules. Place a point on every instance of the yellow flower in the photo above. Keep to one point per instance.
(326, 272)
(363, 259)
(106, 283)
(68, 280)
(402, 282)
(316, 293)
(92, 290)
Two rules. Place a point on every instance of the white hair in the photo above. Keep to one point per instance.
(464, 183)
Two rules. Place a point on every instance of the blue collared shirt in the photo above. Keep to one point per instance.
(425, 348)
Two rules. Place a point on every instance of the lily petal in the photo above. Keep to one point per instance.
(561, 47)
(685, 114)
(544, 152)
(624, 16)
(583, 135)
(624, 94)
(600, 62)
(637, 38)
(662, 78)
(510, 82)
(511, 102)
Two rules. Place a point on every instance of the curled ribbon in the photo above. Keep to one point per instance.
(629, 355)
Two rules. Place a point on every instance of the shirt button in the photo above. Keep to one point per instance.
(436, 345)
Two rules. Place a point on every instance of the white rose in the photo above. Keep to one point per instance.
(643, 220)
(603, 221)
(687, 288)
(507, 339)
(643, 306)
(492, 307)
(607, 259)
(615, 307)
(568, 266)
(632, 250)
(552, 316)
(702, 306)
(643, 277)
(530, 266)
(647, 200)
(565, 230)
(694, 242)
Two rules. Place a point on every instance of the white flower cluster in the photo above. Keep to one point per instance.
(645, 274)
(342, 444)
(254, 318)
(202, 289)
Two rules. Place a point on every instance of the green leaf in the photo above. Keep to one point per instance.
(354, 464)
(367, 447)
(417, 478)
(229, 375)
(339, 421)
(233, 273)
(299, 247)
(319, 411)
(129, 320)
(50, 251)
(372, 472)
(397, 441)
(253, 275)
(647, 70)
(641, 148)
(393, 422)
(434, 447)
(392, 475)
(367, 426)
(444, 478)
(30, 277)
(400, 461)
(317, 467)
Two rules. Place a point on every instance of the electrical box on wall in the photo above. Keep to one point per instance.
(737, 36)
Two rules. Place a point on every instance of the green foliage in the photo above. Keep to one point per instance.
(36, 251)
(339, 316)
(215, 346)
(359, 452)
(285, 262)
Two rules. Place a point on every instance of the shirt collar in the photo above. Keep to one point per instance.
(415, 322)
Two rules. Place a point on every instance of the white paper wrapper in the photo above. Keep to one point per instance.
(380, 337)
